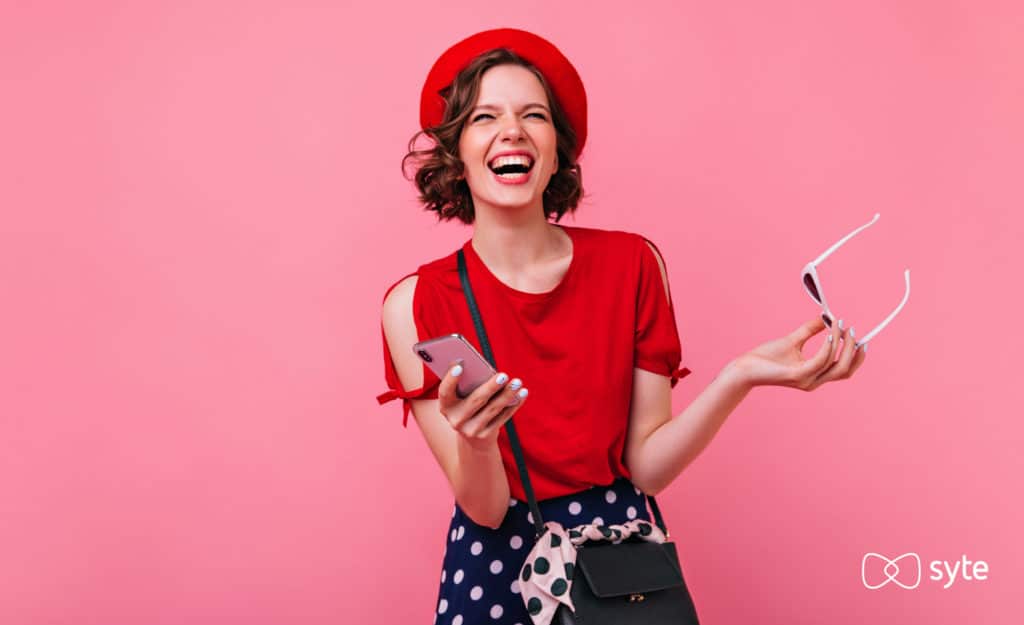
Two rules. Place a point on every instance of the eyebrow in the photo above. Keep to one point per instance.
(494, 107)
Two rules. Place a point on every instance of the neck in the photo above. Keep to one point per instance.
(509, 241)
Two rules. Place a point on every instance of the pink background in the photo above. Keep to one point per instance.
(202, 208)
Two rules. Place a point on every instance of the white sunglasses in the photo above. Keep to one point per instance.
(812, 285)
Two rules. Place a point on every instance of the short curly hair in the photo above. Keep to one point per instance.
(439, 168)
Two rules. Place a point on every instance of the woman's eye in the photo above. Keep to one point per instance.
(483, 115)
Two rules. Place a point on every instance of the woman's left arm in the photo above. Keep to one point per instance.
(659, 447)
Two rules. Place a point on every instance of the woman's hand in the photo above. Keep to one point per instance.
(479, 416)
(781, 363)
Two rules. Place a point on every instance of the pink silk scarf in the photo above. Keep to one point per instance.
(546, 577)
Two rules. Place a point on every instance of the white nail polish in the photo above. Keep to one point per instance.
(829, 338)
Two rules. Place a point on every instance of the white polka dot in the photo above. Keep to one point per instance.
(458, 576)
(516, 542)
(512, 502)
(457, 620)
(637, 490)
(497, 611)
(515, 587)
(610, 496)
(529, 517)
(496, 567)
(598, 521)
(462, 532)
(476, 548)
(476, 593)
(454, 510)
(454, 531)
(575, 508)
(443, 606)
(443, 575)
(631, 512)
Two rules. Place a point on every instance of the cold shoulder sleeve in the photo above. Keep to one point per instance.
(429, 388)
(657, 346)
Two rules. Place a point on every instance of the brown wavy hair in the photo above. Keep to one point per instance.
(439, 168)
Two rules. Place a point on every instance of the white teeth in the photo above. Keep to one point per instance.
(511, 160)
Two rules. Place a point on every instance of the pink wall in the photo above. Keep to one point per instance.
(195, 201)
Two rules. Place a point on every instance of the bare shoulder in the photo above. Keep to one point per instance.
(400, 331)
(661, 265)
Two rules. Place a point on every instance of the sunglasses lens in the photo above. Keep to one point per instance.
(811, 288)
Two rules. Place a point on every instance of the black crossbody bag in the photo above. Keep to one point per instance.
(614, 584)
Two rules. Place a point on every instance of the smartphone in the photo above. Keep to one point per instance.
(442, 352)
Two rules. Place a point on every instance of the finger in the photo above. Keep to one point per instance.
(858, 359)
(849, 353)
(476, 400)
(840, 369)
(506, 413)
(446, 389)
(834, 346)
(807, 329)
(495, 404)
(811, 368)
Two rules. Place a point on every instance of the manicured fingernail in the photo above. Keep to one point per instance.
(829, 338)
(457, 370)
(502, 378)
(865, 348)
(516, 383)
(840, 324)
(852, 332)
(523, 393)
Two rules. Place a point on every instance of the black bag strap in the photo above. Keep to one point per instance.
(513, 438)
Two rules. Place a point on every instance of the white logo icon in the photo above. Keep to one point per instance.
(892, 570)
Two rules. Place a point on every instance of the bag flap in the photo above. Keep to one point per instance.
(629, 567)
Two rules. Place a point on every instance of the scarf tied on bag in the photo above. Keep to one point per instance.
(547, 574)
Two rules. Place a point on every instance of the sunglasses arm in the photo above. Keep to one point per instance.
(835, 247)
(867, 337)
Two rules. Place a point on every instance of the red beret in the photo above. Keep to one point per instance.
(557, 70)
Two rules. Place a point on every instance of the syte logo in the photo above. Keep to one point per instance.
(904, 571)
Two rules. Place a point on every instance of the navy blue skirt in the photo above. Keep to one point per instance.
(479, 575)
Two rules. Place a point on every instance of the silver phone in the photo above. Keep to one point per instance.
(442, 352)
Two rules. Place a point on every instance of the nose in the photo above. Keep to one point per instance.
(511, 128)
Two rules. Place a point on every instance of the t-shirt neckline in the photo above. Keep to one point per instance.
(569, 230)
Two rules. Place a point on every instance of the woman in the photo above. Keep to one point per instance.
(584, 317)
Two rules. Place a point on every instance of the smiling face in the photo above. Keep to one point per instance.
(511, 115)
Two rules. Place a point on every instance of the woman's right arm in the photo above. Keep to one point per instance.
(461, 433)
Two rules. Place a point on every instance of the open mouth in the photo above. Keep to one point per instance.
(512, 168)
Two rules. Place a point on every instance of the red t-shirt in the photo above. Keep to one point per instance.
(574, 347)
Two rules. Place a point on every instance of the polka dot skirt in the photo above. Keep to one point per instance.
(479, 574)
